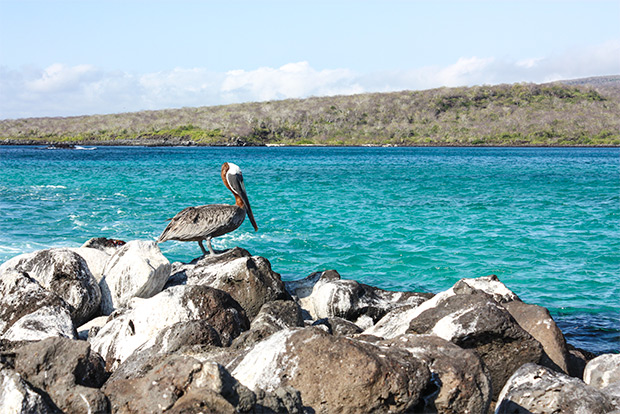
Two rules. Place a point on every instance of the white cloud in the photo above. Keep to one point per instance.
(61, 90)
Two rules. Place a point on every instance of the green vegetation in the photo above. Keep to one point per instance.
(502, 115)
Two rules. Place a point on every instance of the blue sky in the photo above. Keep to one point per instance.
(62, 58)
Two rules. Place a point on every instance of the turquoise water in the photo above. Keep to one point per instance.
(545, 220)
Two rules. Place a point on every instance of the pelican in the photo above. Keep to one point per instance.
(205, 222)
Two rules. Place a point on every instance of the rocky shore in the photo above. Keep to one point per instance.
(115, 327)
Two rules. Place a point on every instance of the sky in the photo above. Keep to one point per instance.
(83, 57)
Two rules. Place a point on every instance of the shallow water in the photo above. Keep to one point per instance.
(545, 220)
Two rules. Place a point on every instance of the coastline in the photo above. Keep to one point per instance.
(165, 143)
(226, 326)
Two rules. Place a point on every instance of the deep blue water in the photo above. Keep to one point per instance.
(545, 220)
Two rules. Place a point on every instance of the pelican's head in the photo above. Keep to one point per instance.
(233, 180)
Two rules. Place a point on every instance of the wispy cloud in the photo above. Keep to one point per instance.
(62, 90)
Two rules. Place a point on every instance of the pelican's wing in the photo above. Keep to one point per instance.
(198, 223)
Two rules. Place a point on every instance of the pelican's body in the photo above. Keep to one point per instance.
(205, 222)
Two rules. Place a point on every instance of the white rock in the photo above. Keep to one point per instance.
(260, 368)
(28, 311)
(95, 259)
(137, 269)
(602, 371)
(17, 397)
(537, 389)
(397, 321)
(45, 322)
(143, 319)
(65, 273)
(492, 286)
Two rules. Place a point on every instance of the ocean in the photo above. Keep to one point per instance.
(546, 221)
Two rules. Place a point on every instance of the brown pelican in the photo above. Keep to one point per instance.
(205, 222)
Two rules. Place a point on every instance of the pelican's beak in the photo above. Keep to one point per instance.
(237, 185)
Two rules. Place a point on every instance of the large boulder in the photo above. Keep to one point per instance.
(179, 383)
(248, 279)
(137, 269)
(336, 374)
(143, 319)
(534, 389)
(537, 321)
(65, 273)
(67, 371)
(326, 294)
(463, 381)
(28, 312)
(602, 371)
(473, 320)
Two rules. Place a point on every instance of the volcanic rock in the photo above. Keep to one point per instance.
(537, 321)
(67, 371)
(602, 371)
(137, 269)
(536, 389)
(338, 326)
(472, 319)
(248, 279)
(335, 374)
(65, 273)
(463, 381)
(325, 294)
(30, 312)
(179, 383)
(145, 318)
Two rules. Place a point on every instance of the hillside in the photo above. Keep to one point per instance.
(570, 113)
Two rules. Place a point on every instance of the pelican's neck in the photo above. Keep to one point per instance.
(238, 201)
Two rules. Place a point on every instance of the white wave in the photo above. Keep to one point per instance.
(40, 187)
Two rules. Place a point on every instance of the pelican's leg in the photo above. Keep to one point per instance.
(202, 247)
(209, 246)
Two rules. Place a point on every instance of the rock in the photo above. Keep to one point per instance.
(338, 326)
(65, 273)
(536, 389)
(473, 320)
(272, 317)
(145, 318)
(137, 269)
(67, 371)
(249, 280)
(179, 383)
(17, 396)
(492, 286)
(602, 371)
(281, 400)
(95, 259)
(201, 401)
(45, 322)
(188, 337)
(325, 295)
(335, 374)
(108, 246)
(463, 382)
(30, 312)
(537, 321)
